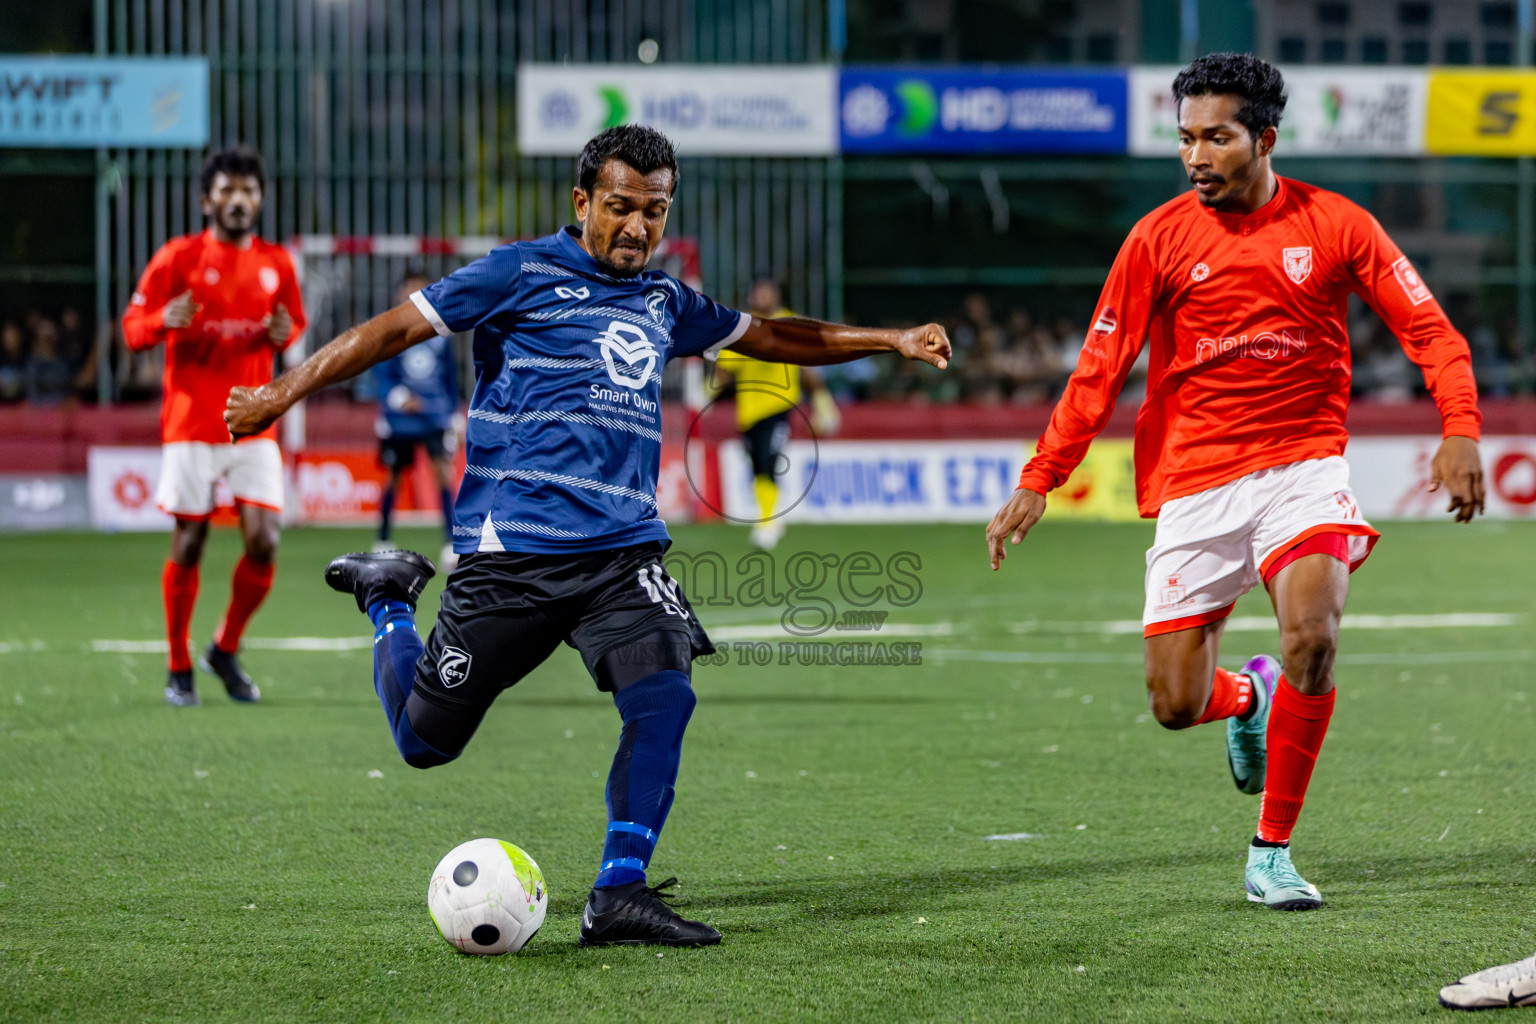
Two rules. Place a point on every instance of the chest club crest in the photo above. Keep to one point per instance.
(1298, 263)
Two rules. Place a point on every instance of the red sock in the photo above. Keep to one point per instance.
(252, 581)
(1297, 725)
(1231, 695)
(178, 585)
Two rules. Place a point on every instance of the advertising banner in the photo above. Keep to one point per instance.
(1329, 111)
(121, 483)
(1391, 475)
(345, 485)
(923, 481)
(43, 501)
(707, 110)
(921, 110)
(1482, 113)
(159, 102)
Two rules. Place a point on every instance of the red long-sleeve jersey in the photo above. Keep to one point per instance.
(1250, 364)
(226, 344)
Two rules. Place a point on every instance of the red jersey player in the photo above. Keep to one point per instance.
(223, 302)
(1242, 287)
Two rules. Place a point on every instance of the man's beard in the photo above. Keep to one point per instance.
(613, 269)
(233, 231)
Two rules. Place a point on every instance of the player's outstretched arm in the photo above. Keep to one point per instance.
(1017, 516)
(252, 410)
(1458, 467)
(807, 342)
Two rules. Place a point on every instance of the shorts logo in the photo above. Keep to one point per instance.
(573, 293)
(1412, 284)
(634, 350)
(1298, 263)
(662, 589)
(655, 304)
(1199, 272)
(1172, 594)
(453, 666)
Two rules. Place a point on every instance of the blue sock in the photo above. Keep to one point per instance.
(446, 497)
(396, 647)
(655, 712)
(386, 510)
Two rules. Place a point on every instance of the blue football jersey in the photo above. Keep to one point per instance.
(426, 373)
(564, 429)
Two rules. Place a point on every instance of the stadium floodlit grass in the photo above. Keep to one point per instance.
(249, 863)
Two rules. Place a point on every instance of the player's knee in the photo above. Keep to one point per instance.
(664, 697)
(261, 546)
(1172, 713)
(187, 541)
(1310, 640)
(426, 758)
(1172, 705)
(417, 752)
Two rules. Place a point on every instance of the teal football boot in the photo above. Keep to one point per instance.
(1246, 752)
(1272, 880)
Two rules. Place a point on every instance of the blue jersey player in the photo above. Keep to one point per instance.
(418, 400)
(556, 523)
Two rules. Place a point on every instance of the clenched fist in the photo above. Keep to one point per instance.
(249, 411)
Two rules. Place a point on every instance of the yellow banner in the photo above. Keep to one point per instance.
(1103, 487)
(1481, 113)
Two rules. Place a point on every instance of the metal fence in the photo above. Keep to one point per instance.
(396, 117)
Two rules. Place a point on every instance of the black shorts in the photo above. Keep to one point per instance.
(504, 613)
(765, 441)
(399, 451)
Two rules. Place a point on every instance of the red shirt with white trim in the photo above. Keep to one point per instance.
(1250, 359)
(226, 344)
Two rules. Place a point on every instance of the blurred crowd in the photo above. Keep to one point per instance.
(1009, 355)
(49, 360)
(44, 360)
(1000, 358)
(1003, 355)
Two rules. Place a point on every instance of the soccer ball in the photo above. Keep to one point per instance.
(487, 897)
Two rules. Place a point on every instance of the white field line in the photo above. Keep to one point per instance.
(255, 643)
(1092, 658)
(1263, 623)
(776, 631)
(1008, 837)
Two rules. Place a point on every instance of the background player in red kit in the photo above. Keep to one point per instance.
(1242, 288)
(224, 302)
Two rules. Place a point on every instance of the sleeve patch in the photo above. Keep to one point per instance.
(1412, 284)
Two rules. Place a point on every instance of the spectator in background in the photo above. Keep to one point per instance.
(74, 343)
(1070, 337)
(13, 362)
(49, 378)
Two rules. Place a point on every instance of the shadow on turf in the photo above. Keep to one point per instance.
(598, 700)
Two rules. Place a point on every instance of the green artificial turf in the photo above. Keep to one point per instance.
(236, 863)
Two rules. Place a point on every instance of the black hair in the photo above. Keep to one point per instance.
(1258, 82)
(636, 145)
(235, 162)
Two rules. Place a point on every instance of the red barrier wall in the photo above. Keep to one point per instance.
(55, 439)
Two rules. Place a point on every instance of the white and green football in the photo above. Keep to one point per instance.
(487, 897)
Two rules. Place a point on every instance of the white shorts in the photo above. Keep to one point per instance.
(1214, 546)
(190, 469)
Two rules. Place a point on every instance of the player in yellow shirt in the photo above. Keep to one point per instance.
(766, 394)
